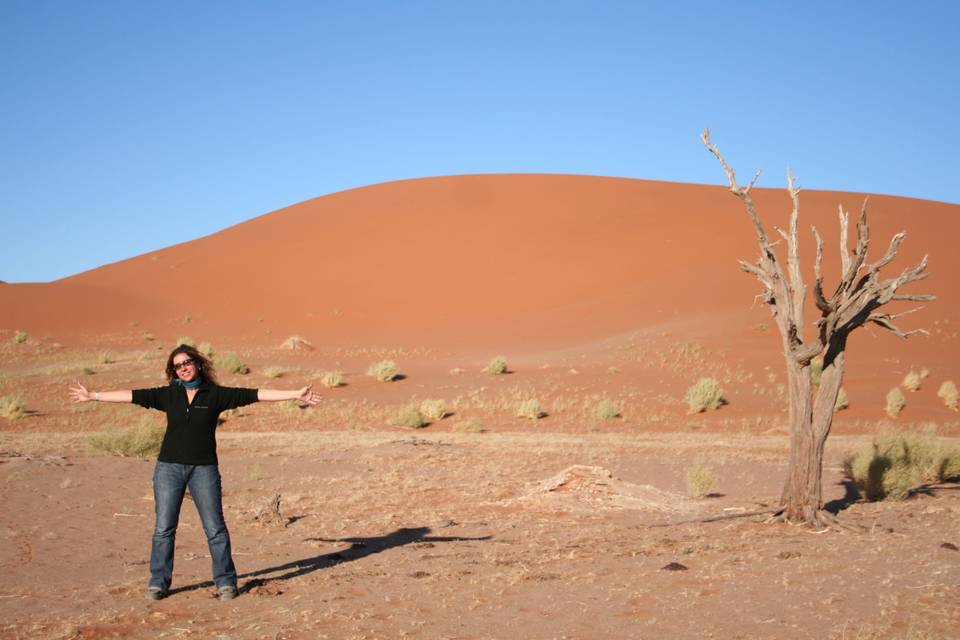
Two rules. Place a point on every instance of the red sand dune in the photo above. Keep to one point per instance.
(477, 263)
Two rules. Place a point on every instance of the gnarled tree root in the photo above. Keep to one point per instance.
(818, 519)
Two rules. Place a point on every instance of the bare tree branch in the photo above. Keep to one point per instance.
(884, 320)
(764, 277)
(859, 254)
(844, 250)
(793, 256)
(891, 253)
(919, 297)
(818, 296)
(768, 258)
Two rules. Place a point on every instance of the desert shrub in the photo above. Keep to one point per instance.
(231, 363)
(895, 402)
(12, 407)
(19, 337)
(842, 401)
(705, 394)
(433, 409)
(148, 336)
(295, 342)
(384, 371)
(410, 416)
(896, 462)
(104, 358)
(89, 371)
(206, 350)
(761, 327)
(701, 481)
(530, 409)
(473, 425)
(911, 381)
(140, 441)
(332, 379)
(229, 414)
(948, 393)
(497, 366)
(606, 410)
(273, 372)
(816, 370)
(186, 340)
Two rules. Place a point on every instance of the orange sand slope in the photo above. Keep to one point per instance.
(478, 262)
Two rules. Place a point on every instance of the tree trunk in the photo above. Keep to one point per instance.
(810, 424)
(801, 491)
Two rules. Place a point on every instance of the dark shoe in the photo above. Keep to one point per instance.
(227, 593)
(155, 593)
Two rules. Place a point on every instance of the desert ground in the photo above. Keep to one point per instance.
(481, 523)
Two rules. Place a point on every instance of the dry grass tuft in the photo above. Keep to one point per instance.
(895, 402)
(948, 393)
(434, 409)
(473, 425)
(497, 366)
(410, 416)
(816, 370)
(701, 481)
(897, 462)
(140, 441)
(12, 408)
(912, 381)
(19, 337)
(384, 370)
(530, 409)
(186, 340)
(231, 363)
(607, 410)
(705, 394)
(273, 372)
(331, 379)
(206, 350)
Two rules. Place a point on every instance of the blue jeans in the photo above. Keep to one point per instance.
(170, 480)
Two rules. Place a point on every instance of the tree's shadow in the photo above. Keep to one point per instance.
(851, 496)
(359, 548)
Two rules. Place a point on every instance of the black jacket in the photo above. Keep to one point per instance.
(191, 428)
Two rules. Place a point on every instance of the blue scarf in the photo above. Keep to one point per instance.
(193, 384)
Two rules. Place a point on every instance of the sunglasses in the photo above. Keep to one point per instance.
(189, 362)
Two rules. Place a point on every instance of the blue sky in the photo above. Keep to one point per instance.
(130, 126)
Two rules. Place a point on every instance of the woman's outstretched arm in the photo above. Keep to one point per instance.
(306, 394)
(80, 393)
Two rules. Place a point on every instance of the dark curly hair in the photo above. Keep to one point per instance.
(205, 367)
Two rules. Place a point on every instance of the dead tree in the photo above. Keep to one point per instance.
(856, 301)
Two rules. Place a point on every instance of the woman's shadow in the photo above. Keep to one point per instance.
(359, 548)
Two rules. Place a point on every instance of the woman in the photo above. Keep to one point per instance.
(188, 457)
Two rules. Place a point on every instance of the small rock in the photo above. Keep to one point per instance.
(950, 546)
(674, 566)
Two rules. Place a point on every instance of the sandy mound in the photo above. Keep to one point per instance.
(591, 488)
(489, 261)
